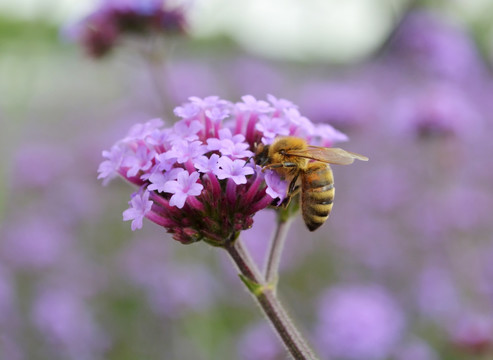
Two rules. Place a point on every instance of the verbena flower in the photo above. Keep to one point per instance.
(436, 47)
(100, 31)
(36, 243)
(198, 179)
(416, 349)
(436, 110)
(6, 295)
(472, 332)
(359, 322)
(259, 342)
(65, 320)
(151, 266)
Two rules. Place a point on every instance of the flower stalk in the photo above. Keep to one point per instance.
(265, 295)
(275, 252)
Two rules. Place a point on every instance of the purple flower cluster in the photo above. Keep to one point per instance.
(259, 342)
(359, 322)
(433, 44)
(436, 110)
(56, 311)
(151, 266)
(198, 179)
(473, 333)
(102, 29)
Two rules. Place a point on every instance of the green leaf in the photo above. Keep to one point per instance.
(254, 287)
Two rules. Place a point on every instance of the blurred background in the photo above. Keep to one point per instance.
(402, 270)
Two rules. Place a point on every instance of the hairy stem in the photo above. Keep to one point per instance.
(268, 301)
(275, 251)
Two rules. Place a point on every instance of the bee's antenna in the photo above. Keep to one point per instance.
(248, 160)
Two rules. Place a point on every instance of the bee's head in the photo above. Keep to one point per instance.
(261, 154)
(280, 149)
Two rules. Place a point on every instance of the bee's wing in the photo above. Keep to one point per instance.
(328, 155)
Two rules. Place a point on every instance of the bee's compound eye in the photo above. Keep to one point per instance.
(282, 152)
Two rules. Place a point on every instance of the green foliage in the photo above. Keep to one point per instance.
(26, 32)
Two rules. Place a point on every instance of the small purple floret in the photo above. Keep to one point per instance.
(140, 205)
(108, 169)
(233, 169)
(276, 187)
(205, 164)
(158, 180)
(185, 185)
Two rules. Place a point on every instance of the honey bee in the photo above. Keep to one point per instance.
(296, 161)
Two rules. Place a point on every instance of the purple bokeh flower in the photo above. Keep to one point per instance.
(358, 323)
(219, 199)
(150, 266)
(101, 30)
(436, 46)
(64, 319)
(37, 242)
(473, 333)
(10, 349)
(7, 296)
(437, 295)
(38, 165)
(416, 349)
(259, 342)
(294, 251)
(436, 110)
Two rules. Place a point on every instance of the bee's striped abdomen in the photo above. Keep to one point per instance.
(317, 194)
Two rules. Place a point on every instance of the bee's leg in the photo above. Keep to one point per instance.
(287, 200)
(292, 185)
(280, 165)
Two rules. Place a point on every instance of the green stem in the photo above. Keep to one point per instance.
(268, 301)
(275, 251)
